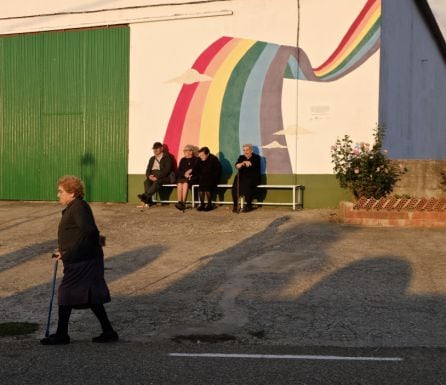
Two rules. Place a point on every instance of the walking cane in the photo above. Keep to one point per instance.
(238, 191)
(47, 332)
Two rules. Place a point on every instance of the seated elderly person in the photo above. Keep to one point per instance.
(157, 174)
(184, 175)
(247, 179)
(208, 171)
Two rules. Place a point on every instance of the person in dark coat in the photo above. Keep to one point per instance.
(185, 178)
(158, 172)
(83, 284)
(208, 171)
(247, 179)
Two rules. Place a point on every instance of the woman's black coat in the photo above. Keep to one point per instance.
(186, 164)
(249, 177)
(82, 256)
(208, 172)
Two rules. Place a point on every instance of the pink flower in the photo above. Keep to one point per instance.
(356, 170)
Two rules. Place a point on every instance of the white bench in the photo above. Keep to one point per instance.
(296, 189)
(171, 185)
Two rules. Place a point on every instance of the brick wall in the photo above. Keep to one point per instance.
(388, 212)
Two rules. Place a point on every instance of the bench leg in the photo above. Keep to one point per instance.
(192, 190)
(294, 199)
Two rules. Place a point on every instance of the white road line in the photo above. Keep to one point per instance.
(285, 357)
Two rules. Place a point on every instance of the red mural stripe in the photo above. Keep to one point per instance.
(174, 129)
(349, 33)
(208, 54)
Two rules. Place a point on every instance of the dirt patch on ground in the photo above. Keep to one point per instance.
(269, 276)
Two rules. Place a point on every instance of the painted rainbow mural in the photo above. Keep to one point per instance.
(240, 99)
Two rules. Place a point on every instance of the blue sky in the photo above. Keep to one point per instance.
(439, 9)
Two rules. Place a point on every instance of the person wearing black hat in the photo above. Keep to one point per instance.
(157, 173)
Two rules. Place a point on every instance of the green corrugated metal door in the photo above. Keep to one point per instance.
(21, 139)
(64, 110)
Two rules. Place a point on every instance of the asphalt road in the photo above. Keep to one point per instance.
(26, 362)
(278, 282)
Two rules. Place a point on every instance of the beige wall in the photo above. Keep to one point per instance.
(320, 111)
(22, 16)
(166, 40)
(328, 110)
(161, 52)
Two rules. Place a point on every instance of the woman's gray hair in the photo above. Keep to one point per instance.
(249, 145)
(189, 147)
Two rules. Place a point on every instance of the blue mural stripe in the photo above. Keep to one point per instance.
(359, 57)
(361, 53)
(232, 105)
(250, 128)
(295, 72)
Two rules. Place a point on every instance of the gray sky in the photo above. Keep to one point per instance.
(439, 9)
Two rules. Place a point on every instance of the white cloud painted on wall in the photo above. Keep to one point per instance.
(274, 144)
(189, 77)
(294, 130)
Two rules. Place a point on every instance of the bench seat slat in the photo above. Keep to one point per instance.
(296, 201)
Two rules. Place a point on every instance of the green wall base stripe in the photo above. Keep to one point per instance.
(320, 191)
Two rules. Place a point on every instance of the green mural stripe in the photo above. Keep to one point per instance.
(231, 106)
(347, 60)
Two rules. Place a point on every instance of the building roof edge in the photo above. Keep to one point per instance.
(429, 18)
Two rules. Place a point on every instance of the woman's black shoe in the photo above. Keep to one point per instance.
(180, 206)
(55, 339)
(247, 209)
(106, 337)
(209, 207)
(201, 208)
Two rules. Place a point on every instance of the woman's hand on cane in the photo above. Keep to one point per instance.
(57, 255)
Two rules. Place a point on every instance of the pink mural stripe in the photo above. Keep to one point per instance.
(373, 48)
(203, 61)
(352, 42)
(175, 126)
(176, 121)
(368, 10)
(192, 121)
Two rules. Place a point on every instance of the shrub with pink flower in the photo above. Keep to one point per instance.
(364, 169)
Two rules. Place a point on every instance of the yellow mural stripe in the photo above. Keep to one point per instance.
(351, 45)
(210, 120)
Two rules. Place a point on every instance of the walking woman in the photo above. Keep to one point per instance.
(83, 285)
